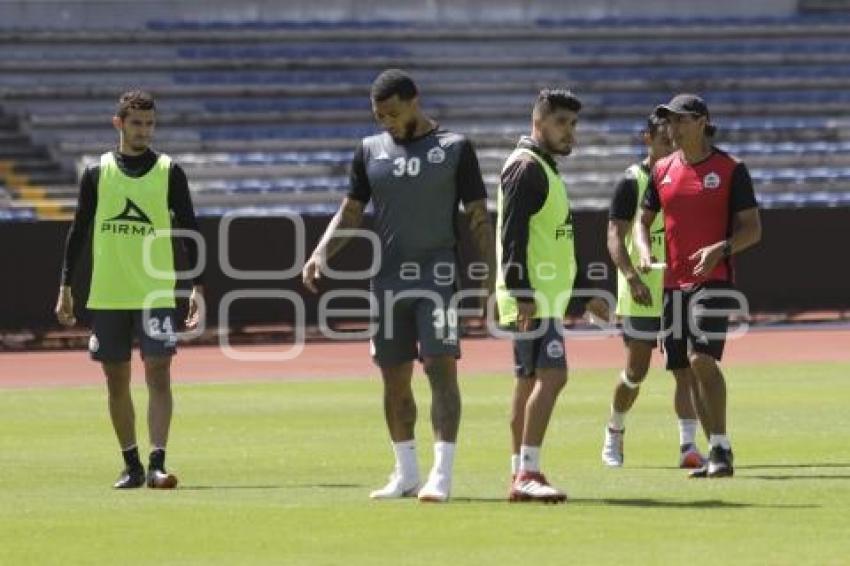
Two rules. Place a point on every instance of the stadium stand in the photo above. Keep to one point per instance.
(265, 114)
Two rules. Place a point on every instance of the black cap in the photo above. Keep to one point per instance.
(687, 104)
(653, 121)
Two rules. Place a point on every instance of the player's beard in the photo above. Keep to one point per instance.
(558, 147)
(561, 151)
(409, 130)
(137, 144)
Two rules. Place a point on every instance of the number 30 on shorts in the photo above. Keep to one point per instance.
(445, 319)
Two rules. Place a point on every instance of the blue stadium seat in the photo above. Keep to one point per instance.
(614, 21)
(159, 25)
(17, 215)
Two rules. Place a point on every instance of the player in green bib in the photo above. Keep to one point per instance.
(536, 271)
(639, 305)
(126, 204)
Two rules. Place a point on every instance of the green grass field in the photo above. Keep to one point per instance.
(280, 472)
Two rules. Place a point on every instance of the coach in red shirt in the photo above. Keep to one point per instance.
(710, 213)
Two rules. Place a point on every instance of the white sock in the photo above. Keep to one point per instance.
(515, 464)
(617, 420)
(405, 459)
(529, 458)
(719, 440)
(687, 431)
(444, 457)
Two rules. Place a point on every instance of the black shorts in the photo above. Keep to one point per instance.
(418, 326)
(544, 351)
(690, 331)
(113, 332)
(641, 329)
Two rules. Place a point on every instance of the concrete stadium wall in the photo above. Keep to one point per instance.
(132, 14)
(795, 268)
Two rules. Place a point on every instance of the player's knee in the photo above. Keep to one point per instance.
(158, 374)
(399, 391)
(701, 362)
(439, 369)
(158, 365)
(553, 379)
(118, 388)
(158, 385)
(636, 375)
(117, 379)
(632, 378)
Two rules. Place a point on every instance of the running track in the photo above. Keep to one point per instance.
(351, 359)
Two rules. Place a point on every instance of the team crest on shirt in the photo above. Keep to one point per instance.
(94, 345)
(711, 181)
(436, 155)
(555, 349)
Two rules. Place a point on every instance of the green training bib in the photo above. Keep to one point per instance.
(551, 251)
(129, 210)
(626, 306)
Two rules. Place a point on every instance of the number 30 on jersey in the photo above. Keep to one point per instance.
(410, 167)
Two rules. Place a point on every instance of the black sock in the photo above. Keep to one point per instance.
(131, 458)
(157, 460)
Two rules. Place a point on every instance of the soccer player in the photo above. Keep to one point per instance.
(639, 305)
(124, 199)
(537, 269)
(710, 213)
(414, 173)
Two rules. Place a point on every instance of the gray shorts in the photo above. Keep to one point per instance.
(545, 351)
(415, 327)
(113, 332)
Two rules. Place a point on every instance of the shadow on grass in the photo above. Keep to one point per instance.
(702, 504)
(297, 486)
(644, 503)
(781, 477)
(792, 466)
(795, 476)
(758, 467)
(479, 500)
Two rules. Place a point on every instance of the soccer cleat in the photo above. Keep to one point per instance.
(612, 449)
(719, 465)
(396, 488)
(690, 457)
(436, 489)
(160, 479)
(532, 486)
(130, 478)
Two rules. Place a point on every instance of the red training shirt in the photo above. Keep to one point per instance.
(699, 201)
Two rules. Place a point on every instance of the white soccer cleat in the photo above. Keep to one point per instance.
(612, 450)
(436, 489)
(532, 486)
(396, 488)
